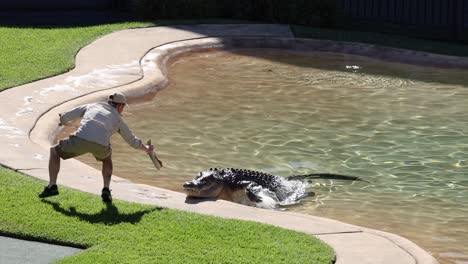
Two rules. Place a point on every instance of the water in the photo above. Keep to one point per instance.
(401, 127)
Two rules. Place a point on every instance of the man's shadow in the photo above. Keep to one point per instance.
(108, 216)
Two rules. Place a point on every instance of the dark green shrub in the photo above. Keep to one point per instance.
(303, 12)
(175, 9)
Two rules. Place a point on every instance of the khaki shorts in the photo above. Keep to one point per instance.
(75, 146)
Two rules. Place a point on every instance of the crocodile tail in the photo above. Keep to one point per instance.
(330, 176)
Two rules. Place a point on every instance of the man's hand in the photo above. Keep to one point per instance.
(147, 148)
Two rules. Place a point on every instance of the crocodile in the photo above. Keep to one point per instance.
(254, 188)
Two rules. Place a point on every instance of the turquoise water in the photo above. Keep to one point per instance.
(401, 127)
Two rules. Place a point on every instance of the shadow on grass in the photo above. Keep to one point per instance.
(108, 216)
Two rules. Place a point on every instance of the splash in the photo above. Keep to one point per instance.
(292, 191)
(105, 77)
(24, 111)
(269, 198)
(9, 131)
(288, 194)
(27, 100)
(58, 88)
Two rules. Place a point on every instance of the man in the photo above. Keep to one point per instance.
(99, 121)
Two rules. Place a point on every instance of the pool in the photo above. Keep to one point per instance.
(401, 127)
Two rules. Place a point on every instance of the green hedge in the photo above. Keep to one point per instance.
(300, 12)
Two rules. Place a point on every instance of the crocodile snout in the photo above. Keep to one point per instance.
(189, 185)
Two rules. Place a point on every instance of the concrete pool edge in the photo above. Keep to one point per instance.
(352, 244)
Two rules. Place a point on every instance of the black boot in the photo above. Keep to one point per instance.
(49, 191)
(106, 195)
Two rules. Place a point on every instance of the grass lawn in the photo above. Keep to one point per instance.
(29, 54)
(133, 233)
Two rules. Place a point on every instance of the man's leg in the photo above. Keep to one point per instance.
(107, 171)
(106, 175)
(54, 166)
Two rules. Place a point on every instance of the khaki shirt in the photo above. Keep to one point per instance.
(99, 122)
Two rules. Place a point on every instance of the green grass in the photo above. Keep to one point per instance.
(29, 54)
(134, 233)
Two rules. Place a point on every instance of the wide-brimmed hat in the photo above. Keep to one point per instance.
(118, 98)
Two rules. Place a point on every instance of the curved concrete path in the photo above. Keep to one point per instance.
(133, 61)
